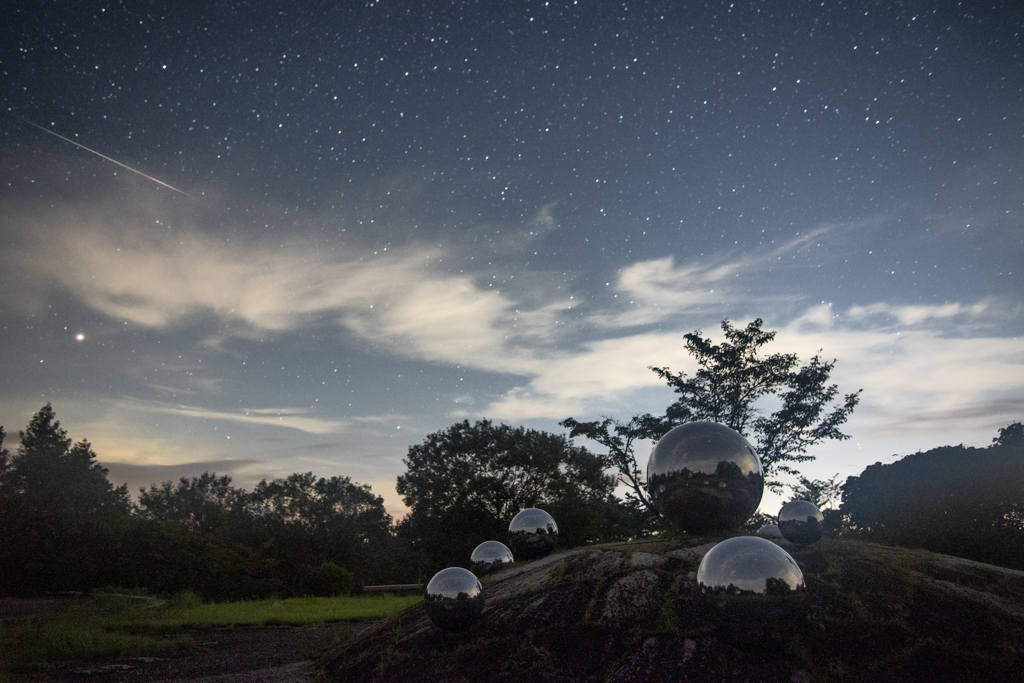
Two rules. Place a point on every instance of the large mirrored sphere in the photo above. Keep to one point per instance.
(801, 522)
(769, 531)
(705, 477)
(749, 565)
(532, 533)
(489, 556)
(454, 599)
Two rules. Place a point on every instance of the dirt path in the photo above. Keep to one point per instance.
(237, 655)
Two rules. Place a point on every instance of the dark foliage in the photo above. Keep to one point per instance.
(61, 521)
(281, 539)
(967, 502)
(730, 379)
(63, 526)
(327, 580)
(465, 484)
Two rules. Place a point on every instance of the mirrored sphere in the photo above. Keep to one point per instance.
(705, 477)
(801, 522)
(454, 599)
(769, 531)
(532, 534)
(489, 556)
(749, 565)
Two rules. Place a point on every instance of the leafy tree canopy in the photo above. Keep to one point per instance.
(48, 472)
(731, 378)
(498, 469)
(5, 456)
(198, 502)
(962, 501)
(304, 499)
(469, 481)
(824, 493)
(60, 518)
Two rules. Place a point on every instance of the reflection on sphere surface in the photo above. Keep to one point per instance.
(532, 533)
(748, 565)
(454, 599)
(489, 556)
(705, 477)
(801, 522)
(769, 531)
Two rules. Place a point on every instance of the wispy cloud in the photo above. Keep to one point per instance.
(933, 376)
(403, 299)
(289, 418)
(915, 314)
(662, 289)
(400, 298)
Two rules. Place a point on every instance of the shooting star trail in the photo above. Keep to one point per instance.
(160, 182)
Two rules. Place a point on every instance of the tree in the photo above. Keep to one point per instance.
(337, 521)
(732, 381)
(824, 493)
(312, 502)
(464, 485)
(619, 439)
(5, 457)
(967, 502)
(62, 520)
(200, 502)
(1011, 435)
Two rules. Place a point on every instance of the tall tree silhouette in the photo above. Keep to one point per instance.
(62, 521)
(731, 378)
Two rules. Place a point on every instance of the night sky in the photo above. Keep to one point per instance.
(360, 223)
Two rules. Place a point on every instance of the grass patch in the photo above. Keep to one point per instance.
(106, 626)
(78, 633)
(291, 612)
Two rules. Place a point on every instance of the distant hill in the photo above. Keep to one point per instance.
(958, 500)
(630, 612)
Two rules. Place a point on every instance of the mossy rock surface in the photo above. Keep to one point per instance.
(631, 612)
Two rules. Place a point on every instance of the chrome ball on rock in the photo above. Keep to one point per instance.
(454, 599)
(489, 556)
(769, 531)
(532, 534)
(705, 478)
(749, 565)
(801, 522)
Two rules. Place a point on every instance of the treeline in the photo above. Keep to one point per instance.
(956, 500)
(64, 526)
(464, 485)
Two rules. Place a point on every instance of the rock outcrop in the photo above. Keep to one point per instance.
(631, 612)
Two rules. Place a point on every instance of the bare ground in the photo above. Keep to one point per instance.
(225, 655)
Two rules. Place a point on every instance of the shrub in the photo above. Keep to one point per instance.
(327, 580)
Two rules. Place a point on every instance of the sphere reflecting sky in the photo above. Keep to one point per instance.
(705, 477)
(801, 522)
(454, 599)
(489, 556)
(749, 565)
(769, 531)
(532, 533)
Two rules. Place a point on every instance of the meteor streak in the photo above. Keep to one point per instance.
(160, 182)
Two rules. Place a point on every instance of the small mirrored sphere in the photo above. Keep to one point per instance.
(801, 522)
(454, 599)
(532, 534)
(749, 565)
(769, 531)
(489, 556)
(705, 477)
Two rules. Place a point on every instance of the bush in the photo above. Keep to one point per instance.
(185, 599)
(327, 580)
